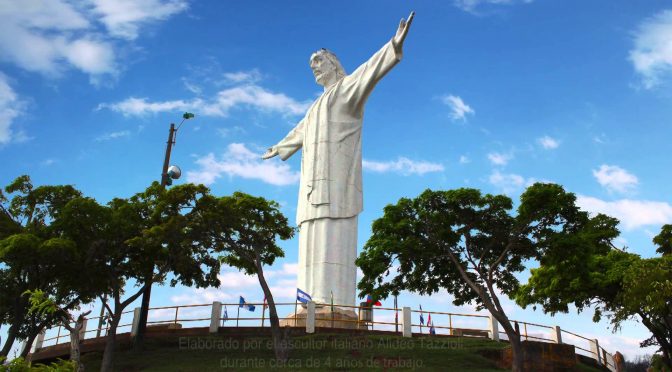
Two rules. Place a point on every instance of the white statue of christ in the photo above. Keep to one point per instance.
(330, 191)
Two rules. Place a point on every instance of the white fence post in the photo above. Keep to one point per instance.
(406, 321)
(310, 317)
(556, 335)
(136, 322)
(595, 349)
(214, 316)
(494, 328)
(82, 332)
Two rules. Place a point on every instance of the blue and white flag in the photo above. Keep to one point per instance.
(226, 315)
(245, 305)
(422, 319)
(303, 296)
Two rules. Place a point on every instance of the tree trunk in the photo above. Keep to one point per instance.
(139, 339)
(667, 358)
(108, 355)
(514, 341)
(28, 344)
(75, 353)
(279, 339)
(11, 337)
(516, 351)
(74, 350)
(660, 336)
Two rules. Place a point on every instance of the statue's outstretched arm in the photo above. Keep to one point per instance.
(402, 31)
(357, 86)
(288, 145)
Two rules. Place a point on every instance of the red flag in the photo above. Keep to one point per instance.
(369, 299)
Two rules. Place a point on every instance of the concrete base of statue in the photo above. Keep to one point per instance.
(324, 318)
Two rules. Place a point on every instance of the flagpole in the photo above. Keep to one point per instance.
(237, 316)
(421, 318)
(296, 306)
(396, 316)
(263, 311)
(332, 309)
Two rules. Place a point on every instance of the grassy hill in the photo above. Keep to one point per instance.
(319, 352)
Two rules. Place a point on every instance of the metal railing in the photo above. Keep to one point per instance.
(381, 319)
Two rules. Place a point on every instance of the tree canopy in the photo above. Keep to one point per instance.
(471, 244)
(35, 255)
(612, 282)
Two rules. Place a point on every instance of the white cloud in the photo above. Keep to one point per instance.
(139, 106)
(497, 158)
(91, 56)
(403, 166)
(47, 36)
(464, 159)
(239, 161)
(251, 76)
(282, 283)
(614, 178)
(201, 296)
(652, 53)
(252, 96)
(48, 162)
(123, 18)
(549, 143)
(459, 109)
(113, 135)
(237, 279)
(471, 5)
(51, 36)
(509, 183)
(10, 108)
(632, 213)
(287, 269)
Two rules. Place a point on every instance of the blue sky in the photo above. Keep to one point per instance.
(491, 94)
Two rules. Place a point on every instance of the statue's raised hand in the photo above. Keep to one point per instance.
(270, 153)
(402, 31)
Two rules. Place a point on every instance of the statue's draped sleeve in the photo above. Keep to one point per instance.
(292, 142)
(356, 87)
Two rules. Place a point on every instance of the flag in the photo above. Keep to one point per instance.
(369, 300)
(303, 296)
(226, 315)
(430, 323)
(245, 305)
(422, 319)
(265, 304)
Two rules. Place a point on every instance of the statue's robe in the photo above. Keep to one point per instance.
(330, 192)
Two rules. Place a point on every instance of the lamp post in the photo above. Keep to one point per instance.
(167, 176)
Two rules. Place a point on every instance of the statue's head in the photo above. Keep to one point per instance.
(326, 67)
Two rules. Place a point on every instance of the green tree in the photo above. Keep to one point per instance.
(612, 282)
(243, 230)
(41, 304)
(472, 246)
(124, 238)
(34, 256)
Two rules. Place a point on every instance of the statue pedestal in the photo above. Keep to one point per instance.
(324, 318)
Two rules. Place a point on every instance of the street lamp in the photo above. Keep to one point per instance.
(167, 176)
(173, 172)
